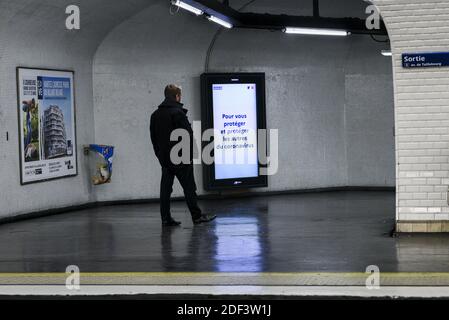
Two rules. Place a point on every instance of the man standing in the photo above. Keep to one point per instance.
(170, 116)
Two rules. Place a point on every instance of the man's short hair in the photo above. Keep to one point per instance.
(171, 91)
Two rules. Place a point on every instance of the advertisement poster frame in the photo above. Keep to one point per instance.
(72, 168)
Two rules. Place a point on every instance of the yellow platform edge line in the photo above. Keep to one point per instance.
(227, 274)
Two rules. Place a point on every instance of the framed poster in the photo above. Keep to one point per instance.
(47, 132)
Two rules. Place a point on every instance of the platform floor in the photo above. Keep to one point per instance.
(317, 232)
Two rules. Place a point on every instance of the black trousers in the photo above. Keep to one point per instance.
(185, 177)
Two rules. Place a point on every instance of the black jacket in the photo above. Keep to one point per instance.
(169, 116)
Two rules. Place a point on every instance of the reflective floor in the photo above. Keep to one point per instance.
(329, 232)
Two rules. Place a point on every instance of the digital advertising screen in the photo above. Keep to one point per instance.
(233, 106)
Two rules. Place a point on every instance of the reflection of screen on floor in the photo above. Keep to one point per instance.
(235, 122)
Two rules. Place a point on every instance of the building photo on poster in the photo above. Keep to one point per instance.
(47, 135)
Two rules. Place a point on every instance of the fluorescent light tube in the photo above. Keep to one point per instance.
(316, 31)
(187, 7)
(386, 53)
(220, 22)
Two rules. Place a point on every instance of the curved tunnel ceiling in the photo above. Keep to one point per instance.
(43, 21)
(37, 24)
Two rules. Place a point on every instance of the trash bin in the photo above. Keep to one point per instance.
(101, 157)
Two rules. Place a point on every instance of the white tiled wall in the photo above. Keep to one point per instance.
(421, 108)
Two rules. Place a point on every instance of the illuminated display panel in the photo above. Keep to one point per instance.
(233, 105)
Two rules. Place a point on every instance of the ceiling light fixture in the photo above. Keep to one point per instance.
(317, 31)
(187, 7)
(220, 22)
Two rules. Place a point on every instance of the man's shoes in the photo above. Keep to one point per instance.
(171, 223)
(204, 218)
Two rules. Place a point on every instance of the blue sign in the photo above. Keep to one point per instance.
(425, 60)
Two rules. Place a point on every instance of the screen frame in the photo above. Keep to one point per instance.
(207, 117)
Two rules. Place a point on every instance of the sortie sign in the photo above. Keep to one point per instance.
(425, 60)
